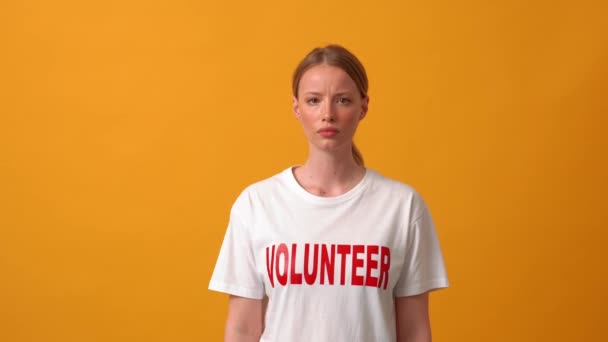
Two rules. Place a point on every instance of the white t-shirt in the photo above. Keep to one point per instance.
(330, 266)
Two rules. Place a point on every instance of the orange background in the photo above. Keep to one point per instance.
(127, 128)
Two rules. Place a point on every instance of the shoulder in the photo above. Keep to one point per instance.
(393, 190)
(394, 187)
(254, 194)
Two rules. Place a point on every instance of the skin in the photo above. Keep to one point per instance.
(245, 320)
(412, 318)
(329, 98)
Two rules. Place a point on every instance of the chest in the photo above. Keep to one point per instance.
(329, 247)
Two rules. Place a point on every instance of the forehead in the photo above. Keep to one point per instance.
(324, 75)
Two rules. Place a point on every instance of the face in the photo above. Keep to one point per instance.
(329, 106)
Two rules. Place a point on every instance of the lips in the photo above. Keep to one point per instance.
(328, 132)
(328, 129)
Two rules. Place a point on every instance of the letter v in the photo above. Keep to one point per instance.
(270, 265)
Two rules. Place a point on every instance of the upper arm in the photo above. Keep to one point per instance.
(245, 319)
(412, 318)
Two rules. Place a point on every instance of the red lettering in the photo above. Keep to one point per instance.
(371, 264)
(295, 278)
(282, 277)
(385, 265)
(327, 264)
(343, 250)
(311, 277)
(269, 265)
(357, 263)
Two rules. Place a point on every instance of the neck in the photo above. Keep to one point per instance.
(329, 174)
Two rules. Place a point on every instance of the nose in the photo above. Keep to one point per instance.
(328, 112)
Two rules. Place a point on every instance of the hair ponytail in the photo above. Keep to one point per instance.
(357, 156)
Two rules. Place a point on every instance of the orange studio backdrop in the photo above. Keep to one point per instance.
(128, 128)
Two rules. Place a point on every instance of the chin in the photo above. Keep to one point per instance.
(330, 146)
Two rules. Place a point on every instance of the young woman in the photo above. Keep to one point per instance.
(329, 251)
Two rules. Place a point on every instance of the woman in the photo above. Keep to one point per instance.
(329, 251)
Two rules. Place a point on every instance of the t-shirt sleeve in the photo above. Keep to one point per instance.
(235, 269)
(423, 268)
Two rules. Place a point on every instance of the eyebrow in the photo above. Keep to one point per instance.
(341, 93)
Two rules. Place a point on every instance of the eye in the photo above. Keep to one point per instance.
(313, 100)
(344, 100)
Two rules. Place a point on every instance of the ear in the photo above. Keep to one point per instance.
(295, 107)
(364, 107)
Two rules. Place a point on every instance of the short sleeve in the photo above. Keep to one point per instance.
(423, 268)
(235, 269)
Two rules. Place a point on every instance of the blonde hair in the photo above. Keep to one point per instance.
(338, 56)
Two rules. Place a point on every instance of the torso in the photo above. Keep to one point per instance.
(329, 265)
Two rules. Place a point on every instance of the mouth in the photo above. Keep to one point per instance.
(328, 132)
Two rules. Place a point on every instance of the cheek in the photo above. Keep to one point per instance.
(353, 117)
(307, 117)
(307, 122)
